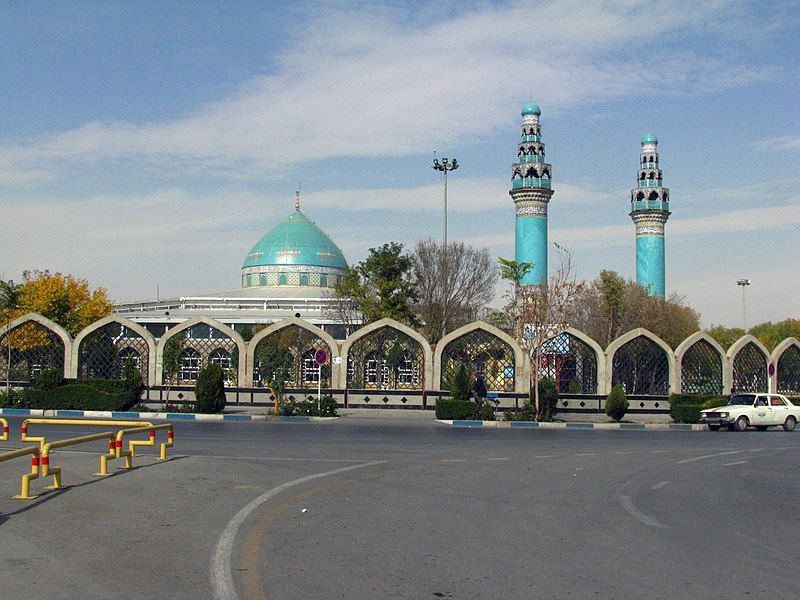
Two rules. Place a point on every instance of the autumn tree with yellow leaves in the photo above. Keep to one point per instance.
(64, 299)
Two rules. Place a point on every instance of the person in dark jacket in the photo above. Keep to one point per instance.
(479, 390)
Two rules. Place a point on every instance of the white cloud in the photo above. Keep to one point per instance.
(779, 144)
(361, 83)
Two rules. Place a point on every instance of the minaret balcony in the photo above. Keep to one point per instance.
(531, 138)
(531, 182)
(531, 158)
(649, 205)
(650, 183)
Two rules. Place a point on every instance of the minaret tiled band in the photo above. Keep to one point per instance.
(531, 190)
(650, 211)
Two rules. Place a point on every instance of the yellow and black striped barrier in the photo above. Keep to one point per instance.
(4, 436)
(41, 440)
(25, 488)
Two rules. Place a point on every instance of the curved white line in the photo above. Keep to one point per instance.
(221, 572)
(627, 504)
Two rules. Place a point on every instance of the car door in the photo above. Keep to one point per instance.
(779, 410)
(762, 412)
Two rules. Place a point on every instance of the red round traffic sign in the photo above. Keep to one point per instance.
(320, 356)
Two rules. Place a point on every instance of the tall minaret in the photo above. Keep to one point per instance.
(531, 192)
(650, 211)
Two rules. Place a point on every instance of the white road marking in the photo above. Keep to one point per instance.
(619, 453)
(454, 460)
(660, 485)
(755, 450)
(688, 460)
(627, 504)
(498, 459)
(658, 451)
(221, 573)
(587, 454)
(738, 462)
(545, 456)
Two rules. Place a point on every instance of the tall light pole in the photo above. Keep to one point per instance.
(444, 166)
(744, 283)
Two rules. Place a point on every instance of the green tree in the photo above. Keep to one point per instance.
(771, 334)
(171, 358)
(617, 403)
(726, 336)
(209, 391)
(380, 286)
(275, 361)
(460, 384)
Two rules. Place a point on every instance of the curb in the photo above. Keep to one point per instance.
(107, 414)
(550, 425)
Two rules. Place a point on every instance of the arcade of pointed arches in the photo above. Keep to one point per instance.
(387, 355)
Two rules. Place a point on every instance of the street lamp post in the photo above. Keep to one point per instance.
(744, 283)
(444, 166)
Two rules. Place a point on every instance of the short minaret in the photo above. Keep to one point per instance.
(531, 191)
(650, 211)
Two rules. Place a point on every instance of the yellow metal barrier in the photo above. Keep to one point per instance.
(4, 437)
(82, 422)
(151, 441)
(56, 471)
(25, 487)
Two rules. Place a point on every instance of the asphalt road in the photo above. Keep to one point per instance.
(378, 508)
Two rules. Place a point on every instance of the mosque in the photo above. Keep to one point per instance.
(292, 270)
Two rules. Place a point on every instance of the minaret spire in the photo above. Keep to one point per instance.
(297, 200)
(531, 190)
(650, 211)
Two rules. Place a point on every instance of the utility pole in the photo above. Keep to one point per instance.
(444, 166)
(744, 283)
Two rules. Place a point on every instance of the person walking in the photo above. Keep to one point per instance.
(479, 391)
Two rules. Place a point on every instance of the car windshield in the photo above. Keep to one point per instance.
(742, 400)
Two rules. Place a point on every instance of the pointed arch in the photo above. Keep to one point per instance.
(686, 345)
(380, 324)
(618, 343)
(745, 373)
(133, 326)
(786, 358)
(599, 355)
(333, 347)
(54, 327)
(214, 324)
(522, 366)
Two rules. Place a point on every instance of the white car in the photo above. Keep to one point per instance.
(753, 410)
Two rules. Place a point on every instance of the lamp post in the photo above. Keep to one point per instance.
(444, 166)
(744, 283)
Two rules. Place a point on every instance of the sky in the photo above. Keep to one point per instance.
(149, 145)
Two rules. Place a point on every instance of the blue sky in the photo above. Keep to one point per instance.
(150, 143)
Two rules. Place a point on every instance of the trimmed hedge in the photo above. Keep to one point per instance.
(685, 408)
(81, 396)
(447, 408)
(308, 408)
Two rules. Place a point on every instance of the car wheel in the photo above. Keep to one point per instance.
(789, 423)
(714, 427)
(741, 424)
(761, 427)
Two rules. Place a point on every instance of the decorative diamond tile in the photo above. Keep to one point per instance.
(641, 404)
(403, 399)
(583, 403)
(366, 399)
(656, 404)
(565, 403)
(385, 400)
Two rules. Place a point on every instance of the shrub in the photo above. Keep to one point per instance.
(526, 412)
(548, 399)
(460, 384)
(48, 379)
(308, 408)
(487, 411)
(685, 408)
(449, 408)
(80, 395)
(686, 413)
(617, 403)
(209, 391)
(132, 378)
(13, 399)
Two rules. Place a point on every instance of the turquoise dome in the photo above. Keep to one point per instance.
(649, 139)
(296, 241)
(531, 109)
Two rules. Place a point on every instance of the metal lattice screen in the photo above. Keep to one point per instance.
(571, 363)
(701, 369)
(789, 371)
(288, 354)
(29, 349)
(483, 354)
(195, 348)
(642, 367)
(386, 359)
(750, 369)
(103, 353)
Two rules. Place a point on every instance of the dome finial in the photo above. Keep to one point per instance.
(297, 200)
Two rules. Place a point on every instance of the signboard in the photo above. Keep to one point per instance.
(508, 371)
(771, 369)
(320, 356)
(337, 360)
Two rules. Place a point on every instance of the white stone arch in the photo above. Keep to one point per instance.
(632, 335)
(333, 347)
(387, 322)
(743, 341)
(522, 363)
(690, 341)
(600, 356)
(52, 326)
(133, 326)
(776, 356)
(236, 337)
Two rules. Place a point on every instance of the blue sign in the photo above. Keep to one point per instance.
(508, 371)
